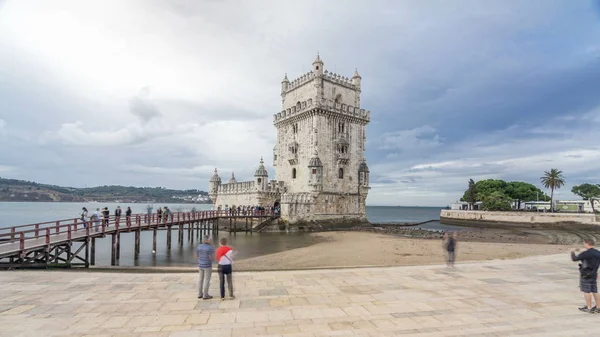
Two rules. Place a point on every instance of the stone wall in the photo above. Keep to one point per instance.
(519, 219)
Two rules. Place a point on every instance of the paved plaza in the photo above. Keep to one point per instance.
(536, 296)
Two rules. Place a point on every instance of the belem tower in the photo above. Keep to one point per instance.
(321, 174)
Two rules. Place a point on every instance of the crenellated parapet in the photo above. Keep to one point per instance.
(327, 104)
(340, 80)
(300, 81)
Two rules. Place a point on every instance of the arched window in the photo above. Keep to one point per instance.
(338, 98)
(314, 171)
(259, 180)
(298, 105)
(295, 128)
(293, 173)
(341, 127)
(341, 173)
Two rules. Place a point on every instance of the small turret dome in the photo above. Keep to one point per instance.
(363, 167)
(318, 59)
(261, 171)
(232, 180)
(315, 161)
(356, 75)
(285, 79)
(215, 177)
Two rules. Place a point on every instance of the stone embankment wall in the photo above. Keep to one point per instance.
(519, 219)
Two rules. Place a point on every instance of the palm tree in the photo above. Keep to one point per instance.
(552, 179)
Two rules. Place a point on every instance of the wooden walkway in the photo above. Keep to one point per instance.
(51, 243)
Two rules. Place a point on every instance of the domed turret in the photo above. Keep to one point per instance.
(285, 83)
(363, 174)
(261, 176)
(232, 180)
(315, 167)
(215, 177)
(213, 186)
(363, 167)
(317, 65)
(315, 161)
(261, 171)
(356, 78)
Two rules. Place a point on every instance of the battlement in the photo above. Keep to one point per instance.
(339, 79)
(301, 80)
(327, 75)
(327, 104)
(246, 186)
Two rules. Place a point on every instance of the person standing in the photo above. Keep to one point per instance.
(128, 216)
(96, 218)
(224, 257)
(159, 214)
(118, 214)
(205, 253)
(105, 215)
(84, 216)
(450, 246)
(588, 275)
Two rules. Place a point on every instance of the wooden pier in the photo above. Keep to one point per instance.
(50, 244)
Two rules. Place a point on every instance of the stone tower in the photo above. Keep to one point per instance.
(319, 154)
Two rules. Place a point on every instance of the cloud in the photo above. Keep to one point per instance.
(421, 138)
(141, 106)
(457, 90)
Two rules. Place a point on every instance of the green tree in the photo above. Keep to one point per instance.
(589, 192)
(521, 191)
(552, 179)
(496, 201)
(471, 193)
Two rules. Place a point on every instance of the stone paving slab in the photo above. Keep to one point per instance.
(535, 296)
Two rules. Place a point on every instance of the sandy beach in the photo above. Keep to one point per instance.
(348, 249)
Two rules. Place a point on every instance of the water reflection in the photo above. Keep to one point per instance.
(248, 245)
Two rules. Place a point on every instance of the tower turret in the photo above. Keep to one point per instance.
(315, 167)
(363, 174)
(213, 185)
(356, 79)
(261, 176)
(232, 180)
(285, 83)
(317, 66)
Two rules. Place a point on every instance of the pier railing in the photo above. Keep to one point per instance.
(76, 228)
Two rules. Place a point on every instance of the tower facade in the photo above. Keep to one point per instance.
(319, 154)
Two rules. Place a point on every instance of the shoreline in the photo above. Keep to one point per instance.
(364, 249)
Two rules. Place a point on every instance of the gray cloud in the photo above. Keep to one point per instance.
(457, 89)
(141, 106)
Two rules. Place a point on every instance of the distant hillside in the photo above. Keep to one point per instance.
(21, 190)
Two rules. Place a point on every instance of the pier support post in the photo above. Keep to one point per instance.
(118, 252)
(154, 239)
(246, 225)
(179, 235)
(87, 251)
(230, 225)
(136, 252)
(93, 252)
(169, 237)
(113, 249)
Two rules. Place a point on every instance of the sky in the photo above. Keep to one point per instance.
(159, 93)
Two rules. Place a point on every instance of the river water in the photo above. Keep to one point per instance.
(248, 245)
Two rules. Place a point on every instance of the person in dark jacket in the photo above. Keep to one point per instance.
(450, 246)
(588, 275)
(128, 216)
(105, 215)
